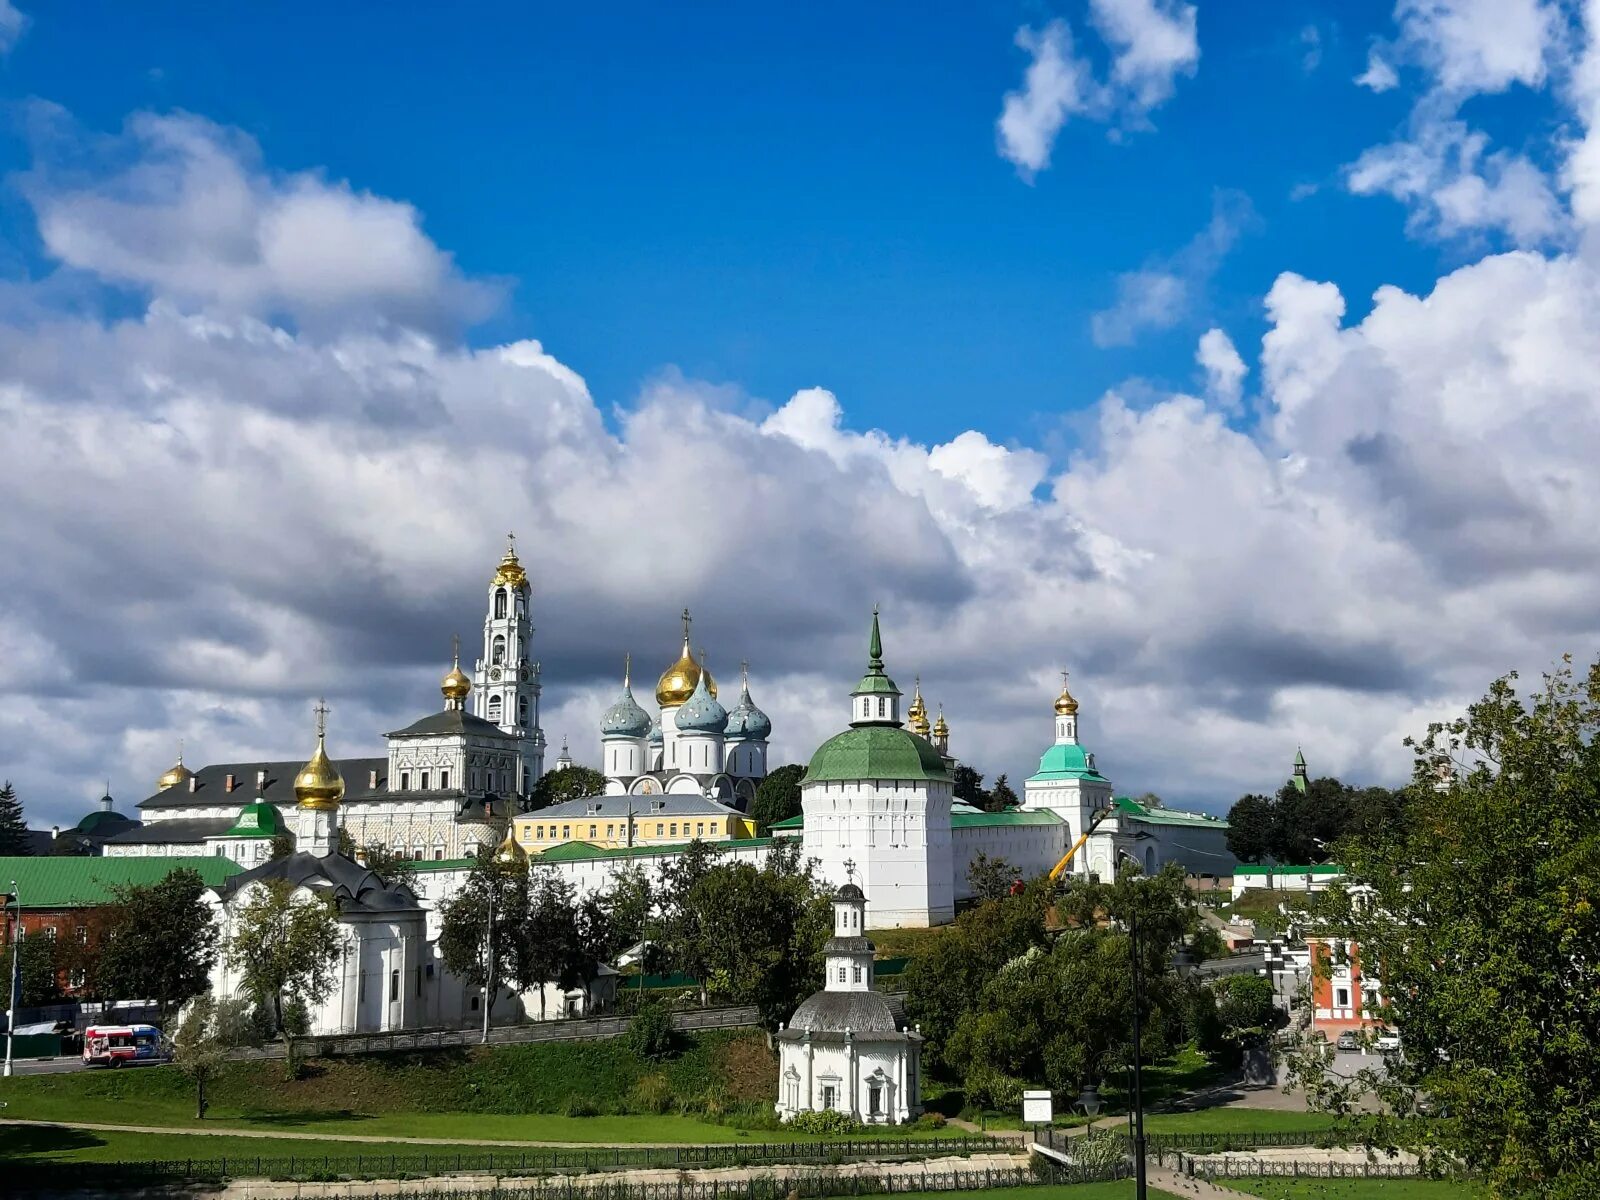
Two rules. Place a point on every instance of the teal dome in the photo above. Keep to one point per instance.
(625, 718)
(876, 752)
(748, 721)
(702, 713)
(656, 737)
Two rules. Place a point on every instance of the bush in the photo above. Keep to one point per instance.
(650, 1034)
(580, 1106)
(826, 1122)
(988, 1088)
(653, 1094)
(932, 1120)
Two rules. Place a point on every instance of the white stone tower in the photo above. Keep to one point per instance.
(1067, 782)
(506, 684)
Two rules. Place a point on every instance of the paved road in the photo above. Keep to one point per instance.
(46, 1066)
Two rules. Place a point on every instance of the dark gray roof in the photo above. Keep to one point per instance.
(849, 892)
(834, 1012)
(353, 887)
(211, 783)
(178, 829)
(451, 720)
(644, 807)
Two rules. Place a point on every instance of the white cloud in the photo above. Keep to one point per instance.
(1166, 290)
(1225, 370)
(1379, 76)
(1151, 42)
(13, 24)
(221, 516)
(1476, 46)
(1310, 49)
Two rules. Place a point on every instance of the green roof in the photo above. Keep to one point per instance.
(71, 882)
(99, 817)
(1275, 869)
(576, 851)
(1167, 816)
(1011, 816)
(875, 752)
(1066, 761)
(257, 819)
(798, 821)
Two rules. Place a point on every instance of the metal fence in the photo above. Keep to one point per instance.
(1265, 1168)
(1062, 1139)
(505, 1161)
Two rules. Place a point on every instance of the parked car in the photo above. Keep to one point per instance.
(1389, 1042)
(1348, 1040)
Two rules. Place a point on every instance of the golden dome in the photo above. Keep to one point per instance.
(456, 685)
(175, 775)
(917, 714)
(677, 682)
(1066, 706)
(319, 784)
(510, 852)
(510, 572)
(940, 729)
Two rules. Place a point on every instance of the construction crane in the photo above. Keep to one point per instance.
(1066, 859)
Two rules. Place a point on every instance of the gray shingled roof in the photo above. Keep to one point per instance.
(178, 829)
(834, 1012)
(211, 783)
(643, 807)
(451, 720)
(353, 887)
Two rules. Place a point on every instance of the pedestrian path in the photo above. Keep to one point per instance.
(1187, 1187)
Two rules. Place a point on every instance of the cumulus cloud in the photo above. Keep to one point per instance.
(219, 515)
(1165, 290)
(1151, 43)
(1445, 172)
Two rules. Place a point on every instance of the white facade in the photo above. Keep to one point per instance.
(843, 1050)
(897, 836)
(506, 677)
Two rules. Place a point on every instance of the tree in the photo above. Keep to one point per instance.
(967, 784)
(482, 928)
(13, 828)
(684, 930)
(546, 947)
(1250, 828)
(210, 1029)
(284, 946)
(390, 865)
(156, 941)
(40, 981)
(568, 783)
(990, 878)
(777, 797)
(1002, 796)
(1245, 1006)
(1478, 916)
(628, 903)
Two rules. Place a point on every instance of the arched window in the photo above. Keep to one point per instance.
(1149, 860)
(522, 710)
(494, 709)
(883, 706)
(500, 603)
(498, 654)
(394, 986)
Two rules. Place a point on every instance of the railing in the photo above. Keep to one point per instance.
(505, 1161)
(1062, 1139)
(564, 1030)
(1266, 1168)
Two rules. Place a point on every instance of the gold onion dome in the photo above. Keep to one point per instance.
(1066, 706)
(455, 685)
(319, 784)
(677, 682)
(510, 572)
(509, 852)
(174, 775)
(940, 729)
(917, 714)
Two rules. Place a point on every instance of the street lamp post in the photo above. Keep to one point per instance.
(1140, 1186)
(15, 900)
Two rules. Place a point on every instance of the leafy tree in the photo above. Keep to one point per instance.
(210, 1029)
(777, 797)
(1479, 913)
(568, 783)
(1244, 1005)
(40, 981)
(284, 947)
(650, 1034)
(628, 903)
(1002, 796)
(1250, 828)
(684, 930)
(13, 828)
(967, 784)
(990, 878)
(393, 866)
(156, 941)
(546, 947)
(483, 927)
(282, 844)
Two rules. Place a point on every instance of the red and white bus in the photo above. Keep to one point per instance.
(113, 1045)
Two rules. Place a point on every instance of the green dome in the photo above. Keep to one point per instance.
(875, 752)
(259, 819)
(99, 819)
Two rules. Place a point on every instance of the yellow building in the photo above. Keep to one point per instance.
(617, 821)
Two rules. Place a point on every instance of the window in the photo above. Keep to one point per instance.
(474, 778)
(874, 1100)
(361, 985)
(566, 831)
(699, 828)
(610, 830)
(497, 655)
(592, 831)
(394, 986)
(841, 974)
(660, 829)
(855, 974)
(405, 781)
(424, 781)
(494, 709)
(674, 829)
(883, 706)
(438, 854)
(419, 979)
(50, 932)
(522, 710)
(474, 1004)
(444, 781)
(830, 1096)
(1341, 998)
(500, 603)
(538, 832)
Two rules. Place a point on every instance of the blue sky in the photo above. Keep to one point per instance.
(1237, 357)
(779, 200)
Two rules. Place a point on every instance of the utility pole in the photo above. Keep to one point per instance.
(1140, 1187)
(15, 900)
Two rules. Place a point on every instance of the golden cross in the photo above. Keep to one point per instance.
(322, 717)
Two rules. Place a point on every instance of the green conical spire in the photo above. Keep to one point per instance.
(875, 647)
(874, 682)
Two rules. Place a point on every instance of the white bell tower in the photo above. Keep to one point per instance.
(506, 681)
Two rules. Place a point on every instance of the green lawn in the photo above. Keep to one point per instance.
(1122, 1189)
(1356, 1189)
(1238, 1120)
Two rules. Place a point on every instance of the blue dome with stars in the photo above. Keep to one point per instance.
(746, 720)
(701, 713)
